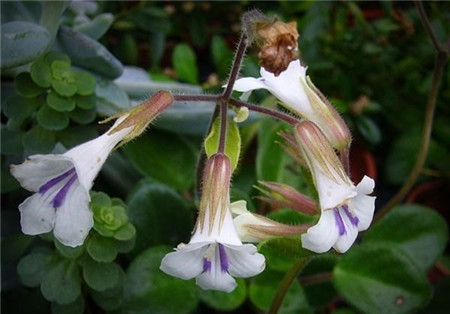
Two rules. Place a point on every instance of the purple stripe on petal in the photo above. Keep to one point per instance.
(339, 221)
(59, 198)
(223, 258)
(55, 181)
(354, 220)
(206, 265)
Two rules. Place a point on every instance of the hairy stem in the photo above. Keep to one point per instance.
(195, 97)
(240, 53)
(223, 125)
(270, 112)
(286, 284)
(427, 25)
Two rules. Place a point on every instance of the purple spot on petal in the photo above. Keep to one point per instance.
(354, 220)
(59, 198)
(339, 221)
(55, 181)
(223, 258)
(206, 265)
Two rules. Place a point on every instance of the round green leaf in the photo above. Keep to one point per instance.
(100, 276)
(75, 307)
(110, 299)
(184, 62)
(125, 233)
(22, 42)
(174, 165)
(264, 287)
(224, 301)
(82, 116)
(421, 232)
(19, 108)
(64, 88)
(32, 267)
(11, 141)
(51, 119)
(108, 219)
(148, 290)
(100, 199)
(61, 282)
(25, 86)
(67, 251)
(52, 56)
(85, 83)
(85, 102)
(110, 98)
(159, 214)
(60, 103)
(41, 73)
(38, 140)
(381, 279)
(102, 249)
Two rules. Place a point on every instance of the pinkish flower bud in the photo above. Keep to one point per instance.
(282, 195)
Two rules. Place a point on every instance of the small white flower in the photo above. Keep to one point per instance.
(62, 184)
(300, 96)
(346, 209)
(215, 254)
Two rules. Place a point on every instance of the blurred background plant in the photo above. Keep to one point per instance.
(63, 70)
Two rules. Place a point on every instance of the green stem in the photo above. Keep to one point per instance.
(286, 284)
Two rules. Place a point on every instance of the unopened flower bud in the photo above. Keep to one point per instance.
(290, 146)
(282, 195)
(255, 228)
(140, 116)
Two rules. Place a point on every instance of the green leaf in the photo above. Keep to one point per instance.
(64, 88)
(369, 130)
(67, 251)
(75, 307)
(97, 27)
(60, 103)
(102, 249)
(264, 287)
(74, 135)
(51, 119)
(11, 141)
(108, 219)
(111, 98)
(184, 62)
(110, 299)
(232, 142)
(172, 164)
(32, 267)
(61, 282)
(82, 116)
(62, 71)
(290, 247)
(270, 157)
(148, 290)
(390, 283)
(19, 108)
(159, 214)
(38, 140)
(125, 233)
(22, 42)
(86, 102)
(52, 56)
(224, 301)
(25, 86)
(100, 276)
(85, 83)
(89, 53)
(419, 231)
(41, 73)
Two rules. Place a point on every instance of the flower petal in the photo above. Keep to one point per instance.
(37, 215)
(74, 218)
(39, 169)
(362, 204)
(345, 241)
(216, 278)
(239, 207)
(321, 237)
(248, 84)
(186, 263)
(244, 261)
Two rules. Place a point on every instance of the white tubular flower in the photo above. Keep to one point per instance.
(256, 228)
(300, 96)
(62, 184)
(346, 209)
(215, 254)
